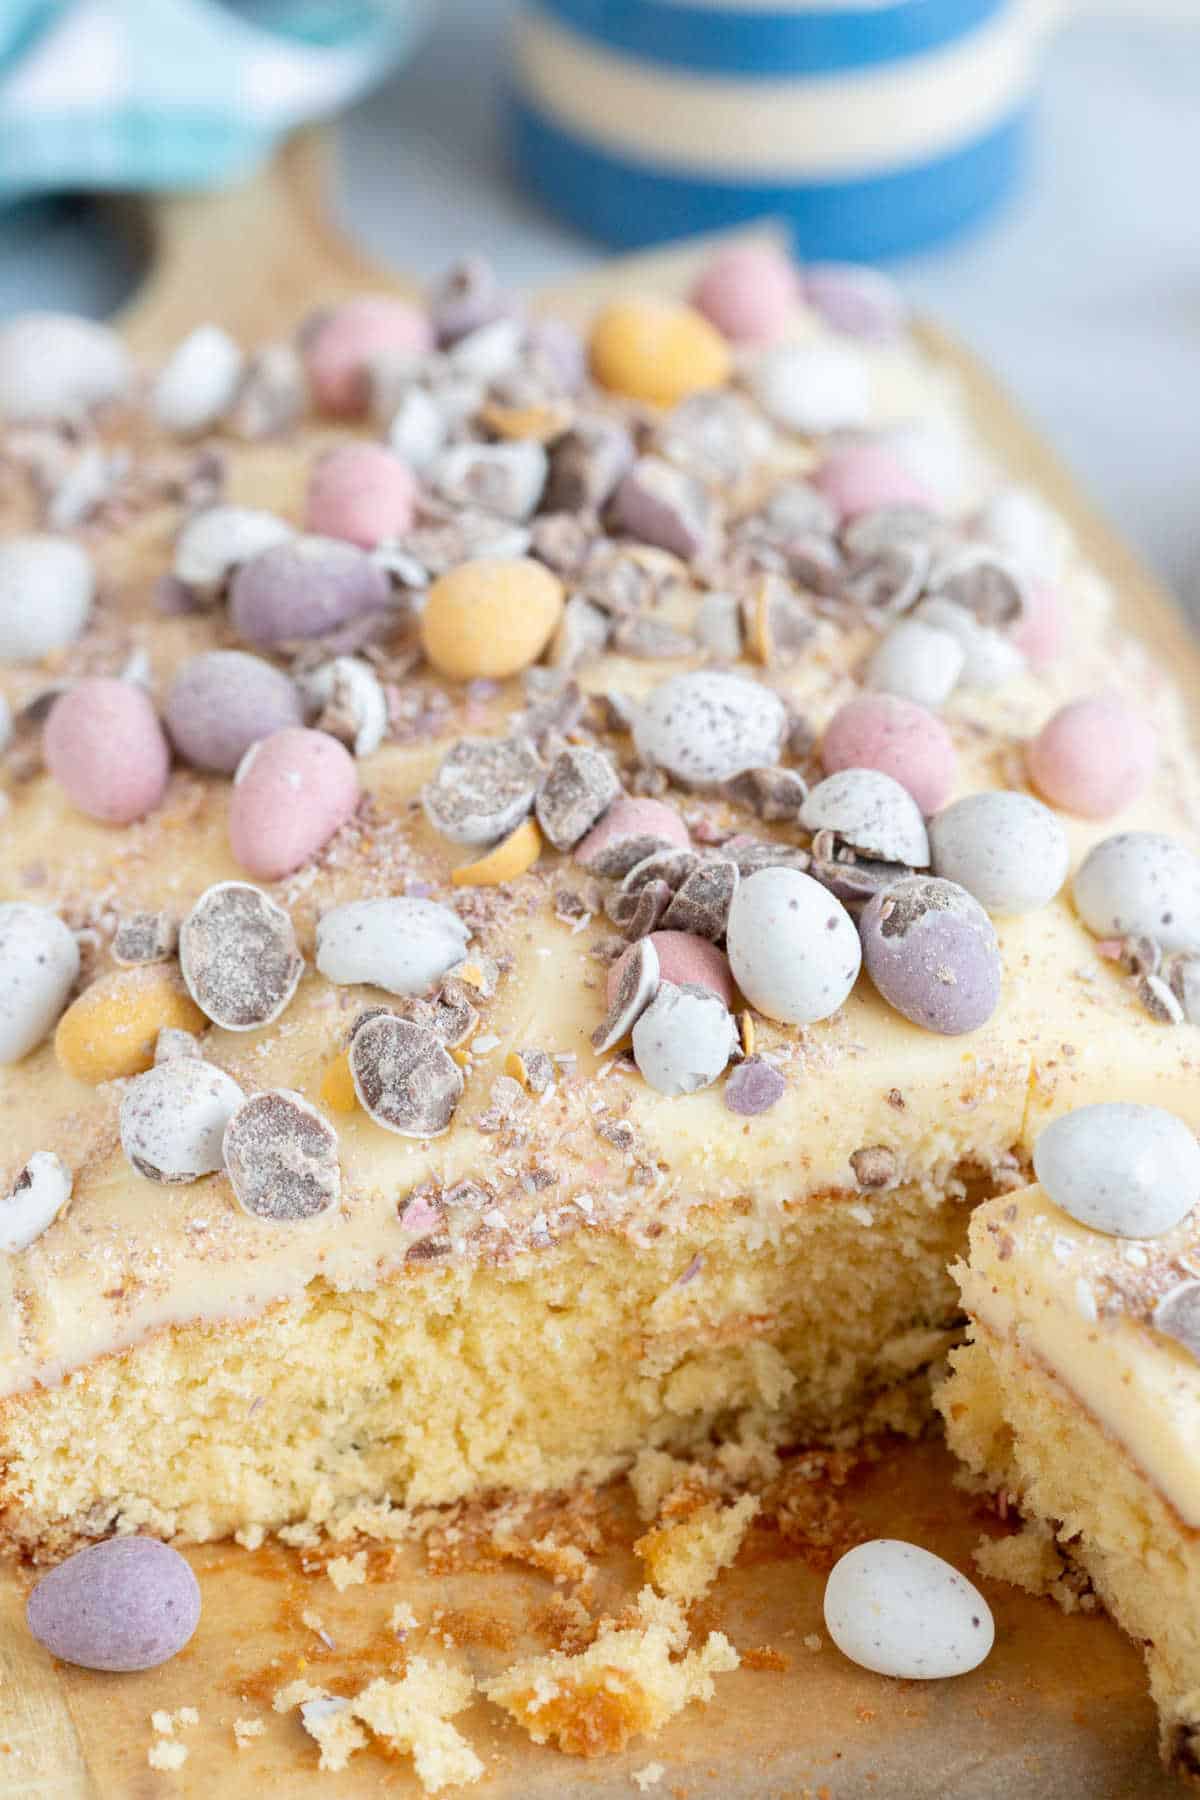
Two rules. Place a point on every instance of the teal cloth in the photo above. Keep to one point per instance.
(137, 94)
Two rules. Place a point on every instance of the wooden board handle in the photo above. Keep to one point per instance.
(254, 258)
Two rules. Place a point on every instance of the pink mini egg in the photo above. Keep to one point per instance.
(864, 477)
(898, 738)
(290, 794)
(104, 743)
(860, 302)
(628, 819)
(1041, 630)
(1093, 757)
(748, 292)
(682, 957)
(361, 492)
(339, 347)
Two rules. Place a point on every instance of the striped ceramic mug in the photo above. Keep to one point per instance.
(875, 126)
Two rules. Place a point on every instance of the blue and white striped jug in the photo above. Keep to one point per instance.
(876, 127)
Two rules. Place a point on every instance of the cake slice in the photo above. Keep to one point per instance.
(465, 1236)
(1077, 1396)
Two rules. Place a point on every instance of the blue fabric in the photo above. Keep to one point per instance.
(144, 94)
(628, 204)
(771, 42)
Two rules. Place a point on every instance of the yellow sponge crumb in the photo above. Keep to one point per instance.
(625, 1684)
(684, 1557)
(348, 1571)
(165, 1754)
(244, 1730)
(413, 1715)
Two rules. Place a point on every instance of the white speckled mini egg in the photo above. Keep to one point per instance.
(46, 589)
(1007, 849)
(684, 1039)
(793, 947)
(900, 1610)
(1130, 1171)
(707, 726)
(1141, 884)
(917, 662)
(812, 388)
(403, 944)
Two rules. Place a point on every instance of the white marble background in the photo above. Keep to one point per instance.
(1085, 297)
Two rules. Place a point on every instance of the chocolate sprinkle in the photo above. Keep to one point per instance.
(238, 956)
(404, 1076)
(281, 1156)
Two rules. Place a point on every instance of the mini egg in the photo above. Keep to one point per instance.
(900, 1610)
(292, 791)
(1007, 849)
(39, 1194)
(897, 737)
(706, 726)
(813, 388)
(198, 383)
(683, 1040)
(932, 953)
(219, 539)
(173, 1119)
(859, 301)
(916, 662)
(304, 588)
(402, 944)
(657, 350)
(872, 813)
(989, 657)
(39, 965)
(46, 589)
(749, 292)
(222, 701)
(793, 948)
(490, 617)
(56, 366)
(363, 493)
(102, 741)
(1141, 884)
(1094, 757)
(864, 478)
(1129, 1171)
(685, 959)
(629, 821)
(127, 1603)
(340, 347)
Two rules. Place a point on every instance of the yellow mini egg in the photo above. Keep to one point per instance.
(111, 1030)
(490, 618)
(510, 858)
(657, 350)
(337, 1085)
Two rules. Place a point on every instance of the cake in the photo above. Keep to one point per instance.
(388, 1226)
(1076, 1397)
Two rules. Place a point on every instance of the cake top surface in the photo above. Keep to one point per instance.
(656, 566)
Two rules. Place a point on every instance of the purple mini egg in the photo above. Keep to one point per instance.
(222, 701)
(128, 1603)
(932, 953)
(304, 588)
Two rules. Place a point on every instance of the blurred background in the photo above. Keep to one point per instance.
(1076, 273)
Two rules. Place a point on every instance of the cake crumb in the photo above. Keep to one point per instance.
(403, 1618)
(165, 1754)
(250, 1537)
(244, 1730)
(164, 1722)
(649, 1776)
(413, 1715)
(347, 1571)
(814, 1641)
(295, 1694)
(684, 1558)
(328, 1721)
(624, 1685)
(1032, 1560)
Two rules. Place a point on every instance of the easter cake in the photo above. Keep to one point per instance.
(544, 874)
(1077, 1397)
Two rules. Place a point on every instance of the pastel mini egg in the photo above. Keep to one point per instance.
(47, 585)
(41, 1191)
(219, 539)
(685, 959)
(899, 1610)
(1129, 1171)
(56, 366)
(858, 301)
(1006, 848)
(683, 1040)
(872, 813)
(173, 1120)
(1094, 757)
(491, 617)
(361, 492)
(1141, 884)
(304, 588)
(706, 726)
(1041, 632)
(402, 943)
(39, 965)
(863, 478)
(292, 791)
(916, 662)
(125, 1604)
(222, 701)
(111, 1030)
(103, 743)
(749, 292)
(613, 846)
(657, 350)
(813, 388)
(793, 948)
(897, 737)
(198, 383)
(932, 953)
(340, 347)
